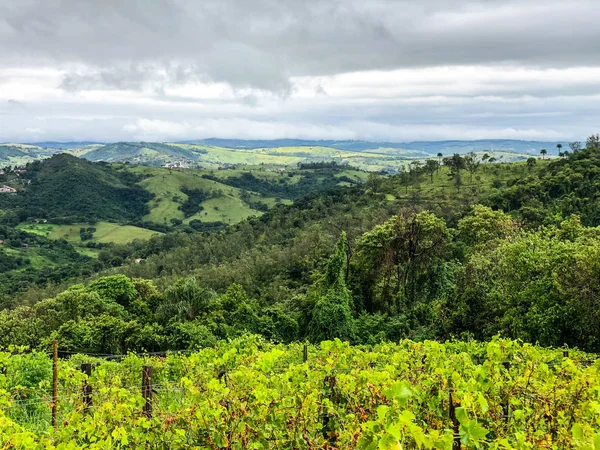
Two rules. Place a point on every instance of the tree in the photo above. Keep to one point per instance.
(431, 167)
(185, 300)
(440, 157)
(559, 148)
(392, 258)
(332, 316)
(414, 169)
(115, 287)
(543, 152)
(593, 142)
(374, 182)
(456, 164)
(472, 164)
(484, 226)
(575, 146)
(485, 157)
(530, 163)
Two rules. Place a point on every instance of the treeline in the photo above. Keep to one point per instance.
(411, 276)
(310, 181)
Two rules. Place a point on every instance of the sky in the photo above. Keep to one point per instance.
(380, 70)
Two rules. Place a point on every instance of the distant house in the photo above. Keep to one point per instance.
(138, 260)
(2, 172)
(176, 165)
(7, 190)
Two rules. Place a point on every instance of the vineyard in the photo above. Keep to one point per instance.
(248, 393)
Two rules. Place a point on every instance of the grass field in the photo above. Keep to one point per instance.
(226, 204)
(105, 233)
(483, 180)
(167, 185)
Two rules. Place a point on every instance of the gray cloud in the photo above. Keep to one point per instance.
(261, 43)
(364, 69)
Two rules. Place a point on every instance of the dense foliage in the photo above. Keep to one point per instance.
(69, 188)
(408, 268)
(251, 394)
(321, 177)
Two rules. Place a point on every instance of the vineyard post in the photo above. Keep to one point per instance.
(147, 390)
(54, 380)
(86, 368)
(455, 424)
(305, 353)
(506, 365)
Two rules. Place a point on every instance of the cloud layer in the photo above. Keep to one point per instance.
(379, 69)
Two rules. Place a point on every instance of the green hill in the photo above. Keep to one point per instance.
(146, 152)
(65, 186)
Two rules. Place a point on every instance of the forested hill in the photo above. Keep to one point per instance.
(419, 255)
(64, 186)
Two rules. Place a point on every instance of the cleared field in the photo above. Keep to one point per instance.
(225, 208)
(105, 233)
(167, 186)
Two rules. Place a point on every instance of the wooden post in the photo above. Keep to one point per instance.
(305, 353)
(54, 380)
(455, 424)
(86, 388)
(506, 365)
(147, 390)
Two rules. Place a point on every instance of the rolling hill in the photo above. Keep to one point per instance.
(66, 186)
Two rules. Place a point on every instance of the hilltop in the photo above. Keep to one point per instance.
(64, 186)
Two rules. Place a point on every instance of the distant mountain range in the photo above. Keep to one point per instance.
(217, 153)
(431, 147)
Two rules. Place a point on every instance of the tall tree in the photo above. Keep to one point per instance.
(593, 142)
(472, 164)
(456, 163)
(543, 152)
(559, 148)
(392, 258)
(332, 315)
(431, 167)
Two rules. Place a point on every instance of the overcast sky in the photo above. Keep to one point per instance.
(395, 70)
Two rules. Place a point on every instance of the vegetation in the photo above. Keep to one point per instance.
(457, 248)
(248, 393)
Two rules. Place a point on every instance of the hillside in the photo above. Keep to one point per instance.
(67, 187)
(215, 153)
(147, 152)
(228, 196)
(419, 255)
(391, 283)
